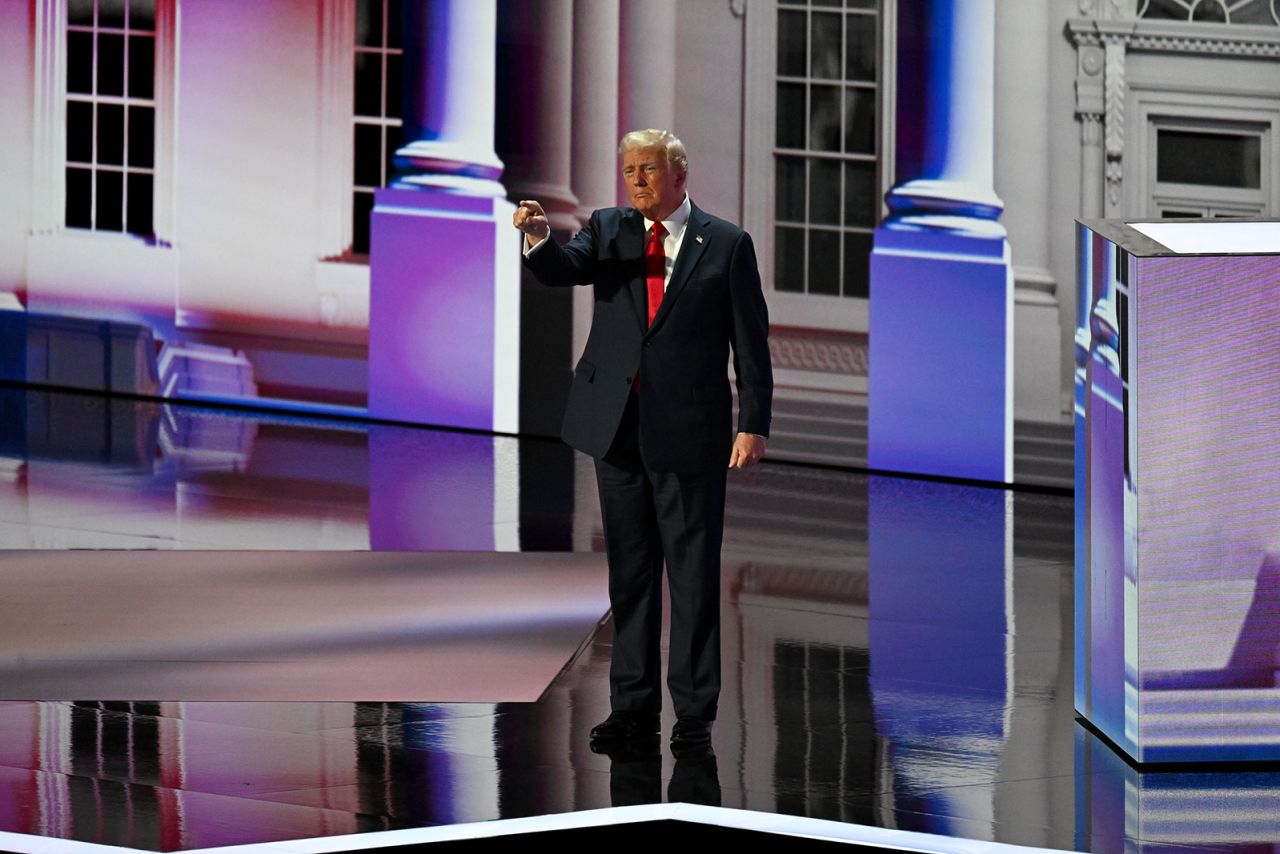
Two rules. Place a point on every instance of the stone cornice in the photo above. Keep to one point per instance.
(1249, 40)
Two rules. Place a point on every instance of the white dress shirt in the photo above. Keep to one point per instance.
(674, 224)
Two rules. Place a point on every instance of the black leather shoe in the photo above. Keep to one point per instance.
(690, 733)
(621, 726)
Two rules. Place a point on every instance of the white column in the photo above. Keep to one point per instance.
(49, 188)
(647, 73)
(450, 53)
(941, 308)
(955, 162)
(646, 68)
(1022, 139)
(595, 104)
(595, 127)
(444, 327)
(538, 148)
(337, 89)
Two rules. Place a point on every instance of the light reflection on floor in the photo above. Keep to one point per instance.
(897, 652)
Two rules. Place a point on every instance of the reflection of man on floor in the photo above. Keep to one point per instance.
(675, 289)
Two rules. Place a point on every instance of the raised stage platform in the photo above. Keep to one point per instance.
(898, 652)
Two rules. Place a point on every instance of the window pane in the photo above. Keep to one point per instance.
(860, 121)
(824, 262)
(789, 192)
(860, 60)
(368, 84)
(1214, 159)
(861, 202)
(788, 259)
(142, 137)
(1209, 11)
(111, 13)
(861, 4)
(1253, 13)
(361, 209)
(857, 265)
(142, 14)
(111, 134)
(791, 115)
(140, 200)
(394, 21)
(791, 44)
(79, 198)
(80, 62)
(824, 118)
(825, 60)
(79, 131)
(368, 164)
(826, 2)
(110, 201)
(824, 191)
(110, 64)
(369, 23)
(394, 94)
(142, 54)
(1165, 9)
(80, 13)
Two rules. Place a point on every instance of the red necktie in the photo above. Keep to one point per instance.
(655, 268)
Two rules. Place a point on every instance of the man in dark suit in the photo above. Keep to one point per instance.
(675, 289)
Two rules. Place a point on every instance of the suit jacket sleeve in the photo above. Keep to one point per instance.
(749, 336)
(572, 263)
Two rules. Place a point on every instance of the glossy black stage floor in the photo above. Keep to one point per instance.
(898, 652)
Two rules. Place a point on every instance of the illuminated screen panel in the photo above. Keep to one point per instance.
(1207, 332)
(1214, 237)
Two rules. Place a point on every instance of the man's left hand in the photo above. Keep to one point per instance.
(747, 451)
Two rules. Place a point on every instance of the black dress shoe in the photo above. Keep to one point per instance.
(621, 726)
(690, 732)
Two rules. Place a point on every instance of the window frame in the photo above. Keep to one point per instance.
(49, 118)
(95, 100)
(383, 121)
(1209, 113)
(759, 215)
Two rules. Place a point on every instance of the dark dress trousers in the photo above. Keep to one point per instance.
(662, 453)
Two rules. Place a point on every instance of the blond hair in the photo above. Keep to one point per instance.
(665, 140)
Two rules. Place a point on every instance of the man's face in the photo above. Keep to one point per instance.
(655, 189)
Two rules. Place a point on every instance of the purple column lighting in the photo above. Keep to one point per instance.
(941, 315)
(444, 314)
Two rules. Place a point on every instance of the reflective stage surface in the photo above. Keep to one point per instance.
(897, 652)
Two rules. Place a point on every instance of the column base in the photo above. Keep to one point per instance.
(444, 310)
(941, 353)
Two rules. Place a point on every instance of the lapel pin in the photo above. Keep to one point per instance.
(698, 237)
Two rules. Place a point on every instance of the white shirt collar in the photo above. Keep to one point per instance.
(676, 220)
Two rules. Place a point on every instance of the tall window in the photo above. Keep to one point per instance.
(377, 114)
(111, 115)
(827, 196)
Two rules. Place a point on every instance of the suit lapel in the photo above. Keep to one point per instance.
(695, 242)
(630, 247)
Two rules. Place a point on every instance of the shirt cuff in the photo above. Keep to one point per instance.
(529, 250)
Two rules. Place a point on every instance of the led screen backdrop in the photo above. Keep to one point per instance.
(1178, 566)
(306, 204)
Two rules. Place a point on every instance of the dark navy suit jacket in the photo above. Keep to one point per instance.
(713, 303)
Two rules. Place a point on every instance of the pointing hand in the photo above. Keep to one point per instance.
(532, 220)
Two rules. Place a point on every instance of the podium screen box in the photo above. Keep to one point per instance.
(1177, 623)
